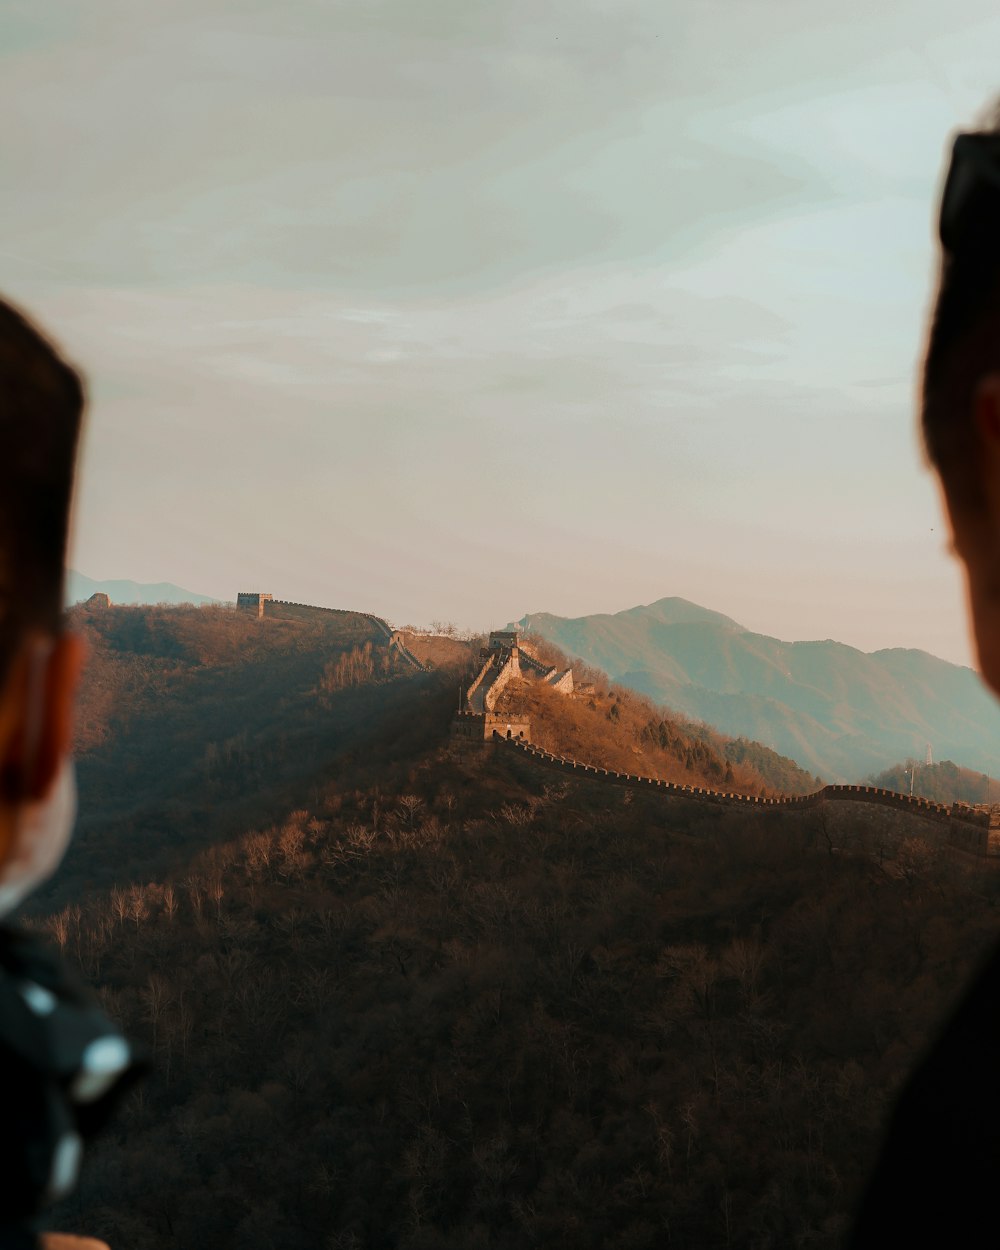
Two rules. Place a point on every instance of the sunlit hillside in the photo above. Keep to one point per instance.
(615, 727)
(196, 723)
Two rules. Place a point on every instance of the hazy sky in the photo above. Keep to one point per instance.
(460, 309)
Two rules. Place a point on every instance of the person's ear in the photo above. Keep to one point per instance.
(44, 687)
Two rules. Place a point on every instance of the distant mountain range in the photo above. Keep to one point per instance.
(79, 588)
(837, 711)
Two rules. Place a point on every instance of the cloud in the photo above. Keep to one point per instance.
(378, 149)
(630, 267)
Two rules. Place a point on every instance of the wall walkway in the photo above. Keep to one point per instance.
(475, 696)
(382, 627)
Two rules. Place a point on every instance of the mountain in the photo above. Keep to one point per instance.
(396, 995)
(198, 716)
(837, 711)
(79, 588)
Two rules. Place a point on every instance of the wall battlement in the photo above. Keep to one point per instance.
(383, 627)
(480, 728)
(505, 659)
(252, 601)
(266, 605)
(968, 830)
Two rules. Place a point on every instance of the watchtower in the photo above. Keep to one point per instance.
(252, 601)
(505, 649)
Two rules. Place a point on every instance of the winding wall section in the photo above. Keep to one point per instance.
(969, 830)
(382, 627)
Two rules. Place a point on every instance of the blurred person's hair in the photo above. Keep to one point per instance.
(963, 343)
(41, 407)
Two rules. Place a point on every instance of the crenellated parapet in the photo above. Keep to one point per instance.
(563, 682)
(534, 666)
(968, 829)
(507, 671)
(504, 660)
(266, 605)
(480, 728)
(252, 601)
(383, 627)
(475, 696)
(397, 644)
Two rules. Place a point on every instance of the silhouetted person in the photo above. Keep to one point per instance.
(935, 1182)
(61, 1059)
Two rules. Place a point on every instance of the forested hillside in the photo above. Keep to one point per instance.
(402, 999)
(196, 723)
(944, 782)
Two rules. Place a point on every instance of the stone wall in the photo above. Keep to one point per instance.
(286, 608)
(967, 830)
(480, 729)
(475, 696)
(252, 601)
(510, 669)
(505, 639)
(504, 660)
(563, 682)
(267, 605)
(529, 662)
(402, 650)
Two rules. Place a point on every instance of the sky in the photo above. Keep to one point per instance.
(458, 310)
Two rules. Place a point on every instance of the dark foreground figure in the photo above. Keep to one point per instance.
(935, 1182)
(62, 1062)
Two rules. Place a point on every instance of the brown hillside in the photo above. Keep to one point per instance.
(438, 650)
(616, 728)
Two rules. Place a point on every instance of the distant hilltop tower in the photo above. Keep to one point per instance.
(252, 601)
(930, 758)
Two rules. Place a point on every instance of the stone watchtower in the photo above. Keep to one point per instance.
(505, 645)
(252, 601)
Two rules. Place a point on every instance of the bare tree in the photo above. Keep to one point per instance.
(138, 904)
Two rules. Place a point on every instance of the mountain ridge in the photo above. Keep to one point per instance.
(125, 591)
(835, 709)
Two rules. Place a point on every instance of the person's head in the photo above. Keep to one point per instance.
(961, 379)
(41, 408)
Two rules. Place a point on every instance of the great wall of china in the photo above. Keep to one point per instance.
(972, 831)
(505, 660)
(969, 830)
(263, 605)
